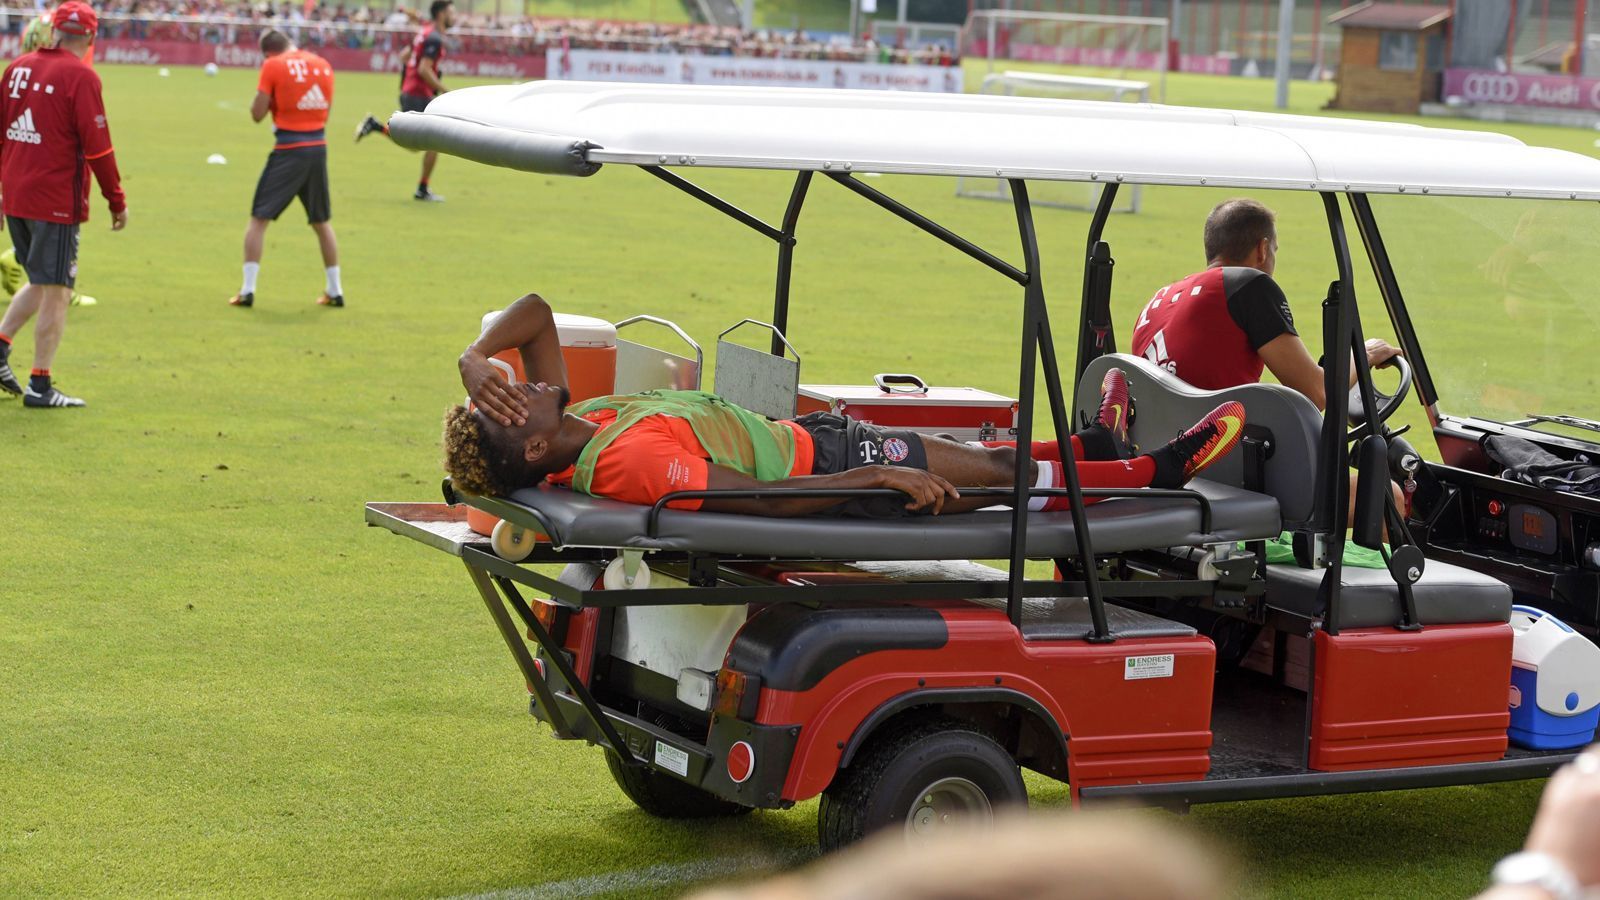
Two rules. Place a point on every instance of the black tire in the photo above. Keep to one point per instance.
(666, 797)
(886, 781)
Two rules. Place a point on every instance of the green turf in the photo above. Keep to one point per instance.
(215, 680)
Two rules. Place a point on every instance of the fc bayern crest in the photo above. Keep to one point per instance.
(896, 450)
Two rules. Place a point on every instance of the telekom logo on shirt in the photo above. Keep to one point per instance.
(19, 81)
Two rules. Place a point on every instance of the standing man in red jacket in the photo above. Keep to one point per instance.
(421, 82)
(55, 133)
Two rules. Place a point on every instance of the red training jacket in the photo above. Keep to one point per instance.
(55, 132)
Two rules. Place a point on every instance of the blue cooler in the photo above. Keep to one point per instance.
(1555, 683)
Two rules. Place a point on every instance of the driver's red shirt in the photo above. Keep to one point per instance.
(659, 455)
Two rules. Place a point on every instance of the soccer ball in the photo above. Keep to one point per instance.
(211, 69)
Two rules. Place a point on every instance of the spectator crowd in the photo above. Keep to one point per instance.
(364, 27)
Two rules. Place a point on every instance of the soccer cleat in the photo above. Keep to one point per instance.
(50, 399)
(1116, 410)
(368, 126)
(1207, 441)
(13, 277)
(8, 379)
(242, 300)
(81, 300)
(326, 300)
(427, 195)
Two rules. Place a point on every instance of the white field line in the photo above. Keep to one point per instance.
(657, 877)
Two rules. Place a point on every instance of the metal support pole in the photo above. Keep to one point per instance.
(786, 241)
(1174, 38)
(1579, 38)
(1285, 50)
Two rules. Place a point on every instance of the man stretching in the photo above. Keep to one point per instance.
(637, 448)
(55, 135)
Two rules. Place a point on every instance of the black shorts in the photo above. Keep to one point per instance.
(413, 103)
(48, 251)
(301, 172)
(842, 444)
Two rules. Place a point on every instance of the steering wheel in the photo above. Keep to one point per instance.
(1387, 403)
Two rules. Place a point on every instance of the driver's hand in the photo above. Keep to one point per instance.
(491, 392)
(1380, 351)
(928, 491)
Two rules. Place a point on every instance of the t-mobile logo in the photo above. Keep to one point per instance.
(869, 452)
(19, 81)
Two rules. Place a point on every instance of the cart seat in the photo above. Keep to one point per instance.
(573, 519)
(1368, 598)
(1043, 618)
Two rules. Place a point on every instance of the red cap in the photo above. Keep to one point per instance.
(74, 17)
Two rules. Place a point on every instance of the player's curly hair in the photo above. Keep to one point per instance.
(467, 454)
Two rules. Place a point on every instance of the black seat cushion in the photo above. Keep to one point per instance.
(572, 519)
(1368, 598)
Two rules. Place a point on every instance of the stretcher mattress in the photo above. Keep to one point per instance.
(573, 519)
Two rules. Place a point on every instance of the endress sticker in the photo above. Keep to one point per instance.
(674, 760)
(1137, 667)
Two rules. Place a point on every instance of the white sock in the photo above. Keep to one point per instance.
(251, 270)
(334, 288)
(1046, 479)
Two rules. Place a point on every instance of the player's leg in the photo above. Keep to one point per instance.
(428, 160)
(52, 265)
(1106, 438)
(24, 305)
(315, 197)
(370, 125)
(278, 185)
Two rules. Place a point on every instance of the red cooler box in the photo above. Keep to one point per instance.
(905, 401)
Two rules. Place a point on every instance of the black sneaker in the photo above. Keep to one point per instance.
(328, 300)
(8, 380)
(242, 300)
(50, 399)
(368, 126)
(427, 196)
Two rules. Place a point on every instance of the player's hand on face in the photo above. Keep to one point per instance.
(491, 392)
(928, 492)
(119, 220)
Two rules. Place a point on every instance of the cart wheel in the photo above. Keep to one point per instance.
(511, 543)
(926, 778)
(666, 797)
(615, 580)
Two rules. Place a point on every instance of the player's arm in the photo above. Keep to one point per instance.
(260, 106)
(265, 85)
(925, 490)
(94, 136)
(428, 65)
(529, 327)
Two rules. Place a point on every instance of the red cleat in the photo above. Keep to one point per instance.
(1210, 439)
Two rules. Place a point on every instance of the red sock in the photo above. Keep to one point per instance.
(1131, 473)
(40, 373)
(1045, 450)
(5, 338)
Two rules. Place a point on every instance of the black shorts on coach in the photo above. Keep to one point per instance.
(299, 172)
(841, 443)
(48, 251)
(413, 103)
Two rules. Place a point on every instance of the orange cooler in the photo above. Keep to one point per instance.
(589, 347)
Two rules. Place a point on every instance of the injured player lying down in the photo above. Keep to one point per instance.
(637, 448)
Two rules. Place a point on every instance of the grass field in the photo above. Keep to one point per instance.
(214, 680)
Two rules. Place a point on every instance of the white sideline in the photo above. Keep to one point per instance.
(664, 875)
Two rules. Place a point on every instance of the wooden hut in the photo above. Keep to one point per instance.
(1391, 56)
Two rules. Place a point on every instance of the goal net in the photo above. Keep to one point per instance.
(1063, 194)
(1123, 45)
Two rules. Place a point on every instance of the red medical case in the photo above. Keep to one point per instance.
(905, 401)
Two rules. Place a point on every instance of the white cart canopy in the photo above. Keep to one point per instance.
(571, 128)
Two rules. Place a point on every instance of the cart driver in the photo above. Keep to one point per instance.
(637, 448)
(1221, 327)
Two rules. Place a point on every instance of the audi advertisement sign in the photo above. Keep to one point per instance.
(1512, 89)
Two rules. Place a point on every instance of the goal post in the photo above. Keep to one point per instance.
(1120, 43)
(1061, 194)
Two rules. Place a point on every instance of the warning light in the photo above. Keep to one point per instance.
(1496, 507)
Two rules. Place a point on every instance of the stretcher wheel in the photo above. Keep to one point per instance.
(614, 580)
(511, 543)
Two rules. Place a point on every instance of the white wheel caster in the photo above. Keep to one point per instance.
(512, 543)
(1205, 567)
(616, 577)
